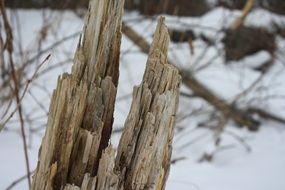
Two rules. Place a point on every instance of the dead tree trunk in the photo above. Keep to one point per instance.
(81, 111)
(75, 152)
(144, 151)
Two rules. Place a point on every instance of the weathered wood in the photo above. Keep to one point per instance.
(81, 111)
(199, 89)
(143, 157)
(75, 154)
(106, 178)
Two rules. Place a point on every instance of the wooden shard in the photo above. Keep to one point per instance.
(75, 152)
(144, 152)
(81, 110)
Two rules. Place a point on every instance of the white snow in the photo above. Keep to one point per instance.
(234, 167)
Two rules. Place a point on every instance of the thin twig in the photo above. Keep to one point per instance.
(240, 139)
(24, 92)
(17, 181)
(9, 47)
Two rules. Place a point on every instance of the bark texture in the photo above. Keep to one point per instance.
(75, 152)
(81, 111)
(144, 152)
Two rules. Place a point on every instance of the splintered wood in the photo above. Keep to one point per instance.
(144, 151)
(81, 111)
(75, 153)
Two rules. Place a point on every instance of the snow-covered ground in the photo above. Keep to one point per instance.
(248, 161)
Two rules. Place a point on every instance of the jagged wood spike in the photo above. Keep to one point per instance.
(144, 151)
(81, 110)
(73, 155)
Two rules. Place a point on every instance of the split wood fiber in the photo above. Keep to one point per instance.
(81, 110)
(144, 151)
(75, 153)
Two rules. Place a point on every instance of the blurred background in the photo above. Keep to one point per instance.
(230, 128)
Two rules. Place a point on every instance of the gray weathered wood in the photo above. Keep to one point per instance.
(81, 111)
(75, 152)
(144, 152)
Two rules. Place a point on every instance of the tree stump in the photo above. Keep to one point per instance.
(75, 153)
(81, 110)
(144, 150)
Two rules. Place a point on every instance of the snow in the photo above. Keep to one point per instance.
(261, 169)
(258, 163)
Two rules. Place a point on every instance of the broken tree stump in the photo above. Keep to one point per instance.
(144, 152)
(81, 110)
(75, 153)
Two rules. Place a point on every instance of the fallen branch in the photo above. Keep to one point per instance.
(266, 115)
(230, 111)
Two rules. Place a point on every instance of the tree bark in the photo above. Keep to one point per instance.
(144, 152)
(81, 111)
(75, 152)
